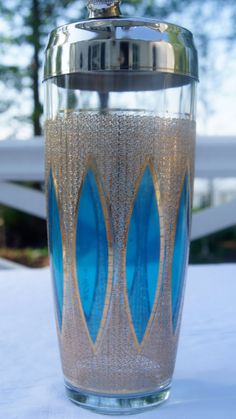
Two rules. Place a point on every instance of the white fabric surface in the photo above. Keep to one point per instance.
(204, 385)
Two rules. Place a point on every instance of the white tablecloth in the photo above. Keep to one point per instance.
(204, 385)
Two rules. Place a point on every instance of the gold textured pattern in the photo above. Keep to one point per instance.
(120, 145)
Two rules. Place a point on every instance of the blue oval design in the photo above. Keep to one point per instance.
(91, 254)
(55, 247)
(143, 254)
(180, 252)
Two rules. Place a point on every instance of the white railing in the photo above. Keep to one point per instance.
(24, 161)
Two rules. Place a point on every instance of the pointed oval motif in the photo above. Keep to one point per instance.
(92, 252)
(55, 247)
(143, 254)
(181, 245)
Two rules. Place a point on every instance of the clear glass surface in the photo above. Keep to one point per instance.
(119, 176)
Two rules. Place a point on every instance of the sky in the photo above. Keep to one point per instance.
(218, 85)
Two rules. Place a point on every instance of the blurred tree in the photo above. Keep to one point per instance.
(25, 24)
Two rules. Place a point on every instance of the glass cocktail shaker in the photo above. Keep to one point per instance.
(120, 138)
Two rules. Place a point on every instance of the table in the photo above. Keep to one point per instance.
(204, 385)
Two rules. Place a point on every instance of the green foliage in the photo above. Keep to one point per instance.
(22, 230)
(27, 23)
(24, 26)
(216, 248)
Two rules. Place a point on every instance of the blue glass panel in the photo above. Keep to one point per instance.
(143, 254)
(180, 252)
(91, 254)
(55, 247)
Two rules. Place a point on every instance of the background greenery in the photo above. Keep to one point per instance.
(24, 26)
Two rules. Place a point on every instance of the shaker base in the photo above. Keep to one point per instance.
(119, 405)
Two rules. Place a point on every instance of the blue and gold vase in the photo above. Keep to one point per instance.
(120, 139)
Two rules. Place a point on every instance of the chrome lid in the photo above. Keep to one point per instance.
(116, 46)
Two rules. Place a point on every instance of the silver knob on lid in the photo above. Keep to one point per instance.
(103, 8)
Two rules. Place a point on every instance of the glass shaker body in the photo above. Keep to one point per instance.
(119, 177)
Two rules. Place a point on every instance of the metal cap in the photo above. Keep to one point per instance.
(120, 52)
